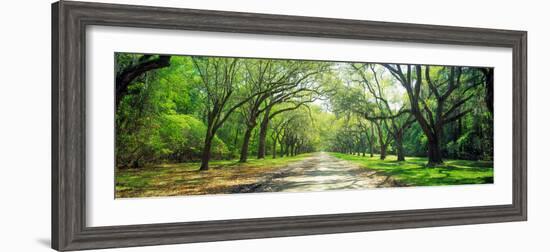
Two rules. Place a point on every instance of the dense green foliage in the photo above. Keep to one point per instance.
(176, 109)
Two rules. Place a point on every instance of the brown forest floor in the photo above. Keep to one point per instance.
(186, 179)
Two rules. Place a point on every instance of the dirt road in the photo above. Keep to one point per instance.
(319, 173)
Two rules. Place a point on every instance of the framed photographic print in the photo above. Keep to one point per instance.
(178, 125)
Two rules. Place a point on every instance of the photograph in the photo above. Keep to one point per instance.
(197, 125)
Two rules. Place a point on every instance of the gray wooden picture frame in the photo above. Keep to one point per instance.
(69, 22)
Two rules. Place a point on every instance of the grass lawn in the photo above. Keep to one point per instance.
(186, 179)
(413, 171)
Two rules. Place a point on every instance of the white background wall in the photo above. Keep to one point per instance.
(25, 125)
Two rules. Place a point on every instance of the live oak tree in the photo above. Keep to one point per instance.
(435, 94)
(367, 129)
(278, 127)
(296, 137)
(279, 82)
(262, 75)
(286, 103)
(396, 118)
(347, 101)
(362, 96)
(224, 91)
(306, 86)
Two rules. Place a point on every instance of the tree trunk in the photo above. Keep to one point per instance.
(274, 152)
(263, 135)
(246, 141)
(371, 141)
(287, 150)
(399, 146)
(381, 142)
(382, 152)
(434, 152)
(206, 151)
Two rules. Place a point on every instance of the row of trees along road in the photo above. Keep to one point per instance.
(214, 98)
(444, 110)
(190, 108)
